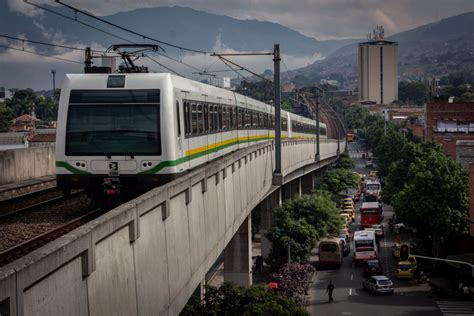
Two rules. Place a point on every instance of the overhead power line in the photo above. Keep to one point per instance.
(129, 30)
(48, 44)
(40, 54)
(76, 20)
(113, 35)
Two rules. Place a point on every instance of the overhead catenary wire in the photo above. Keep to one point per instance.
(129, 30)
(235, 64)
(110, 34)
(40, 54)
(157, 62)
(76, 20)
(47, 44)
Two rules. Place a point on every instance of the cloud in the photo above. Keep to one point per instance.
(24, 8)
(322, 19)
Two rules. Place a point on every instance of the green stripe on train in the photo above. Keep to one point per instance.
(67, 166)
(169, 163)
(178, 161)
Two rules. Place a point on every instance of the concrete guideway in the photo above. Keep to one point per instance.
(149, 255)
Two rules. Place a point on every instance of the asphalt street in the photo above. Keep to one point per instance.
(410, 298)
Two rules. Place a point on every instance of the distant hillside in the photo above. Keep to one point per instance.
(178, 25)
(434, 49)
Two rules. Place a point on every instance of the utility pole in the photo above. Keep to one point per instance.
(318, 132)
(276, 74)
(53, 71)
(277, 176)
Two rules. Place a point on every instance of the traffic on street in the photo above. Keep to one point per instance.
(379, 284)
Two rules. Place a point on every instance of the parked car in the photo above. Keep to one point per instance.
(378, 284)
(372, 267)
(404, 270)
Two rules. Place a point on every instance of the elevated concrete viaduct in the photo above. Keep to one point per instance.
(148, 256)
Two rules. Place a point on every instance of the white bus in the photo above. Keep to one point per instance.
(365, 246)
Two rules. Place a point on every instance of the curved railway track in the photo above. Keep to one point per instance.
(34, 243)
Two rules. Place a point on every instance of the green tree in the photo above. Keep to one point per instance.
(22, 101)
(6, 115)
(286, 105)
(412, 92)
(300, 222)
(337, 180)
(345, 161)
(232, 300)
(434, 198)
(286, 231)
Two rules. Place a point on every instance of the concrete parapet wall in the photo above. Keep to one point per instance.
(147, 256)
(26, 163)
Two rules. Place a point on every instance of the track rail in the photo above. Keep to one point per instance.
(31, 208)
(27, 246)
(30, 194)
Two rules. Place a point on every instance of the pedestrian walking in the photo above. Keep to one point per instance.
(329, 290)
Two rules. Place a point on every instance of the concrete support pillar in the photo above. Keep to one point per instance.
(200, 290)
(307, 183)
(272, 202)
(299, 186)
(471, 199)
(286, 191)
(238, 256)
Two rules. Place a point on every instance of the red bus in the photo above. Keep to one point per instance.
(370, 214)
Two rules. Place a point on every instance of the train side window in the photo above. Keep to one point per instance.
(239, 118)
(225, 118)
(177, 119)
(248, 119)
(219, 117)
(194, 119)
(211, 118)
(200, 119)
(206, 118)
(231, 112)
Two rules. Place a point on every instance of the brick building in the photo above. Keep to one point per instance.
(447, 123)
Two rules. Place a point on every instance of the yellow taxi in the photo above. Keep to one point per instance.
(405, 270)
(348, 200)
(350, 211)
(347, 217)
(412, 259)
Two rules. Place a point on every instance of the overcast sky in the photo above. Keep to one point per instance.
(322, 19)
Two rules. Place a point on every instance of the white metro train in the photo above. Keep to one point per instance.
(136, 131)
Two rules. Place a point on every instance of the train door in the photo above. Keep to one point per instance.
(180, 130)
(186, 132)
(242, 120)
(215, 125)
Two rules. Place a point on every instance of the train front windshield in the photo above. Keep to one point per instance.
(113, 122)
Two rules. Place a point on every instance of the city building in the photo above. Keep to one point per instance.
(448, 122)
(329, 82)
(41, 137)
(378, 69)
(23, 123)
